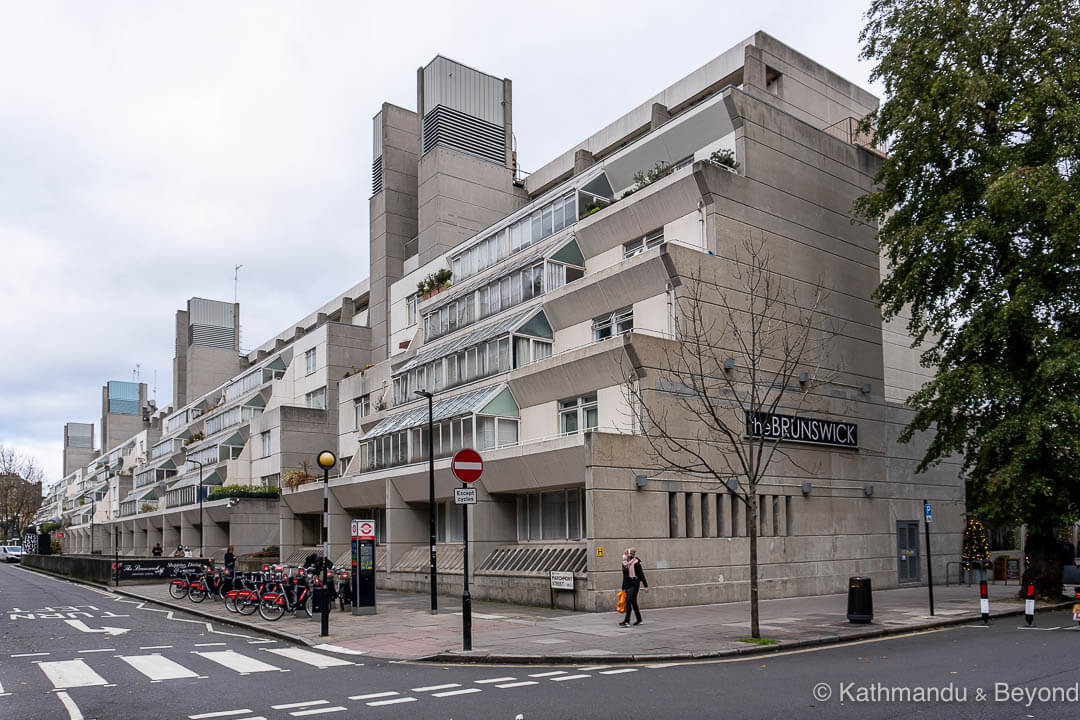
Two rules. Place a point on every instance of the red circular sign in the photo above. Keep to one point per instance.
(467, 465)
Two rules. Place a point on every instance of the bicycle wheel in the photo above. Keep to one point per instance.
(305, 605)
(178, 591)
(196, 595)
(230, 604)
(271, 610)
(248, 605)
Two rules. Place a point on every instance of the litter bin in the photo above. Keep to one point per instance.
(860, 601)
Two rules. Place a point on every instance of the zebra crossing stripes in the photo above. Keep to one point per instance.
(71, 673)
(240, 663)
(309, 658)
(157, 667)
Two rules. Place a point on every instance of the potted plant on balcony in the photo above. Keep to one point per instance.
(295, 478)
(434, 283)
(725, 159)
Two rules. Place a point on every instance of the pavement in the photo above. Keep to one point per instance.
(404, 628)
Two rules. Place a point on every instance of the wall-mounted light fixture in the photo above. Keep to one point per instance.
(729, 364)
(868, 490)
(641, 481)
(804, 377)
(865, 389)
(806, 488)
(732, 483)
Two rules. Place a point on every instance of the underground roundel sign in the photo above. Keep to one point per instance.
(467, 465)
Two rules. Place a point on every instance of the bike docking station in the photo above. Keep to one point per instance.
(363, 567)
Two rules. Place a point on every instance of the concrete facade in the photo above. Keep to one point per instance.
(565, 293)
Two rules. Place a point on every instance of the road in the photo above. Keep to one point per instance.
(70, 651)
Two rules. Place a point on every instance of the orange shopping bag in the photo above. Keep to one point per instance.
(621, 604)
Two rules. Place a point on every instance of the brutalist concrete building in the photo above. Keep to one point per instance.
(527, 305)
(562, 281)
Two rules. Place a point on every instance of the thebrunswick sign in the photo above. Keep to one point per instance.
(789, 428)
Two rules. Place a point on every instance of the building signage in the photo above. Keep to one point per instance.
(465, 496)
(789, 428)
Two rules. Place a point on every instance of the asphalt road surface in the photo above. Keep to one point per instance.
(69, 652)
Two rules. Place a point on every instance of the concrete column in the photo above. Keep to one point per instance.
(734, 519)
(139, 538)
(781, 516)
(406, 526)
(708, 515)
(338, 533)
(216, 538)
(154, 534)
(583, 160)
(253, 525)
(693, 515)
(189, 535)
(170, 535)
(290, 531)
(678, 516)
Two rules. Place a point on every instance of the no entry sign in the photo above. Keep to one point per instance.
(467, 465)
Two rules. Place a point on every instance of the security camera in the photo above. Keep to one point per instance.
(233, 502)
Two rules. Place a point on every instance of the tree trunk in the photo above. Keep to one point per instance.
(755, 630)
(1044, 562)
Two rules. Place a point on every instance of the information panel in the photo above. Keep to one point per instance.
(363, 567)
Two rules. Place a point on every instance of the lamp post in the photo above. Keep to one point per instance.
(431, 495)
(326, 461)
(196, 462)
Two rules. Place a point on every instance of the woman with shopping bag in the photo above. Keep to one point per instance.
(633, 577)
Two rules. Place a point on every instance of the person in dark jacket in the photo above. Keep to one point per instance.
(633, 577)
(158, 551)
(230, 559)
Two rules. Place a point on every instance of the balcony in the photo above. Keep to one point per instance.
(166, 448)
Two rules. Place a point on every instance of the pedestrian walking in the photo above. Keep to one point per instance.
(633, 577)
(157, 551)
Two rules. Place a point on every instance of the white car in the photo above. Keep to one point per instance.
(10, 553)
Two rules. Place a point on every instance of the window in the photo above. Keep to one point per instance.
(363, 408)
(316, 399)
(616, 323)
(265, 438)
(410, 304)
(557, 515)
(449, 523)
(310, 360)
(271, 481)
(578, 414)
(646, 242)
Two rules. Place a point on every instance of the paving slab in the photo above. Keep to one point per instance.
(404, 628)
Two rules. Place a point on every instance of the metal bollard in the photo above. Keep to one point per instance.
(984, 602)
(1029, 604)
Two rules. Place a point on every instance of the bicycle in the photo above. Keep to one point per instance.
(283, 596)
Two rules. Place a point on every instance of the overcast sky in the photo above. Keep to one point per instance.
(147, 147)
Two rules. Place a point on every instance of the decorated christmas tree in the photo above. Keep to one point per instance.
(976, 550)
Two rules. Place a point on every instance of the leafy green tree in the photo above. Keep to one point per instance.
(978, 203)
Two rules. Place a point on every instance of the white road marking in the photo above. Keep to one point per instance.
(260, 642)
(617, 672)
(337, 649)
(395, 701)
(235, 661)
(157, 667)
(448, 693)
(209, 644)
(73, 710)
(80, 625)
(156, 647)
(495, 680)
(101, 650)
(549, 674)
(593, 667)
(291, 706)
(71, 673)
(223, 713)
(308, 657)
(31, 654)
(569, 677)
(372, 696)
(1021, 627)
(318, 711)
(429, 688)
(518, 684)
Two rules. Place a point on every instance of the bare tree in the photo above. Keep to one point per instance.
(749, 345)
(21, 480)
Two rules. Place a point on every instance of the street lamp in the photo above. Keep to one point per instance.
(431, 494)
(196, 462)
(326, 461)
